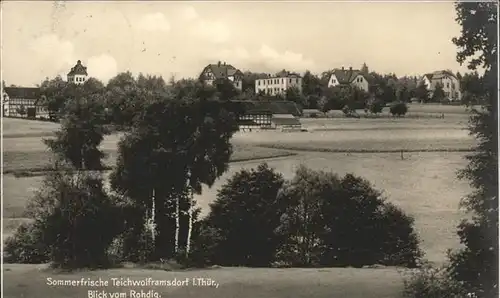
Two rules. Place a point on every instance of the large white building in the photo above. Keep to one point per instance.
(447, 80)
(222, 70)
(274, 85)
(78, 74)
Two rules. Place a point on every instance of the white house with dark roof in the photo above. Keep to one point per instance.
(274, 85)
(78, 74)
(221, 70)
(352, 77)
(447, 80)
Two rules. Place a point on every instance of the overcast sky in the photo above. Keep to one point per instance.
(44, 39)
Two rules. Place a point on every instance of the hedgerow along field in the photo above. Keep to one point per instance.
(423, 184)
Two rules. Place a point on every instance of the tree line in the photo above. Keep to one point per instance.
(121, 95)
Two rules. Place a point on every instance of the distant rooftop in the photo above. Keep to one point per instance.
(222, 70)
(23, 92)
(78, 69)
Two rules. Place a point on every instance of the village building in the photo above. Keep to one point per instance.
(22, 102)
(349, 77)
(274, 85)
(264, 115)
(78, 74)
(447, 80)
(219, 71)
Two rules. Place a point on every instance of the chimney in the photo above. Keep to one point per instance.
(218, 63)
(350, 68)
(342, 68)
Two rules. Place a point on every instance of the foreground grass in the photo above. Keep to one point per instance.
(31, 281)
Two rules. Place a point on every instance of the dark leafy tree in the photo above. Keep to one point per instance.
(324, 211)
(151, 83)
(226, 89)
(438, 93)
(293, 94)
(472, 88)
(311, 84)
(53, 95)
(476, 265)
(421, 93)
(403, 93)
(81, 134)
(376, 106)
(77, 219)
(244, 217)
(183, 136)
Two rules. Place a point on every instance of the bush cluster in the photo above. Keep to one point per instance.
(399, 109)
(315, 219)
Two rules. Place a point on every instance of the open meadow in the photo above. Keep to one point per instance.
(423, 183)
(30, 281)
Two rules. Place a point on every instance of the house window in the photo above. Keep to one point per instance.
(290, 81)
(282, 81)
(447, 85)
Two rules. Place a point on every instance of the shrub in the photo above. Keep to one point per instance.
(333, 221)
(76, 218)
(399, 109)
(347, 110)
(376, 107)
(26, 246)
(430, 282)
(242, 220)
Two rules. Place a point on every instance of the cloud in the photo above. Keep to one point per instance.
(189, 13)
(232, 54)
(52, 47)
(265, 59)
(287, 59)
(214, 31)
(154, 22)
(52, 55)
(102, 67)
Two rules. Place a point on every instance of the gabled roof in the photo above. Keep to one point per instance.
(78, 69)
(346, 76)
(23, 92)
(222, 70)
(440, 74)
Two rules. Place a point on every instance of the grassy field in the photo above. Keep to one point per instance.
(31, 281)
(20, 162)
(424, 184)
